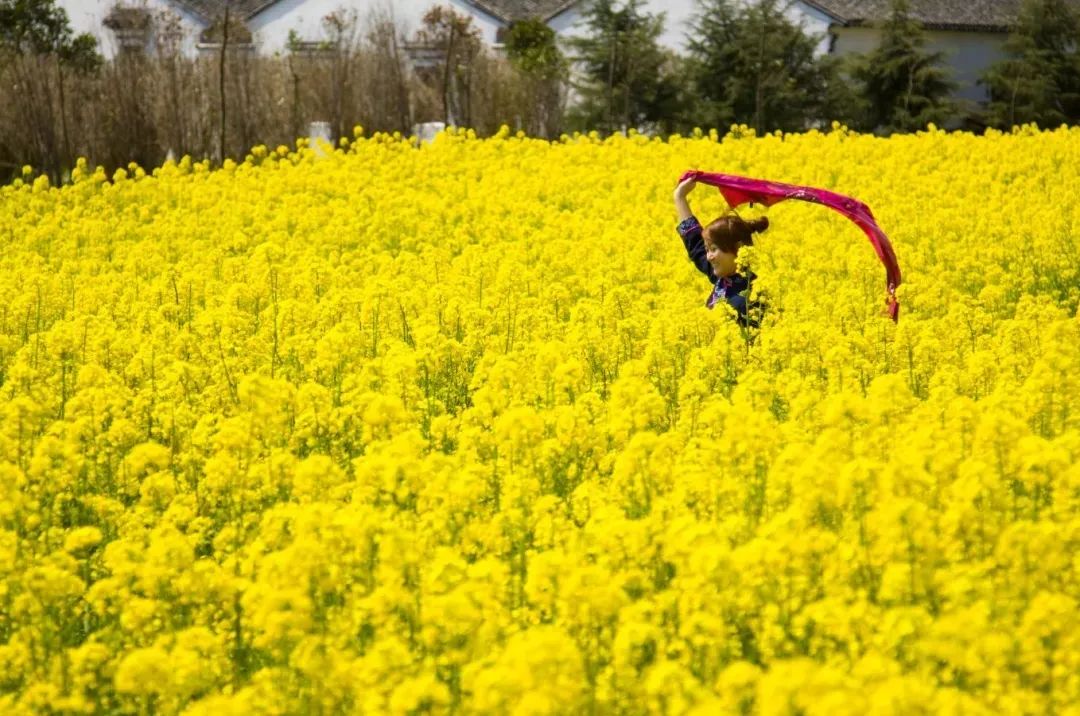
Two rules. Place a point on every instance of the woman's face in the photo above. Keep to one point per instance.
(723, 263)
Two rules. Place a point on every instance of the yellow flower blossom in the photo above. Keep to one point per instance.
(392, 427)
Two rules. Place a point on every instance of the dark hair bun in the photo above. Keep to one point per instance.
(758, 225)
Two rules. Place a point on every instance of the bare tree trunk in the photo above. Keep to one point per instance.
(294, 115)
(37, 109)
(221, 81)
(66, 160)
(179, 138)
(910, 89)
(1012, 102)
(402, 90)
(467, 91)
(337, 87)
(611, 84)
(448, 76)
(759, 90)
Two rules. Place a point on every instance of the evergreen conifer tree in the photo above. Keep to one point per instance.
(623, 77)
(533, 50)
(752, 65)
(1039, 81)
(904, 86)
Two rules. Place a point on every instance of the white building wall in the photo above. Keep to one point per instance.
(815, 23)
(677, 21)
(679, 24)
(487, 24)
(89, 15)
(855, 40)
(272, 26)
(967, 54)
(566, 23)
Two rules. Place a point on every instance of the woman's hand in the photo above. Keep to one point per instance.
(685, 187)
(681, 205)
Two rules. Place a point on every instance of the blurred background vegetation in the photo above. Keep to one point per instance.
(747, 65)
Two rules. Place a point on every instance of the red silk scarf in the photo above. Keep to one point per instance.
(739, 190)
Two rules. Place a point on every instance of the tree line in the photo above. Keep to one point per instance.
(746, 63)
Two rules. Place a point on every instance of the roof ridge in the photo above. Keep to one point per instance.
(505, 11)
(561, 8)
(510, 10)
(974, 15)
(818, 6)
(486, 7)
(209, 9)
(264, 5)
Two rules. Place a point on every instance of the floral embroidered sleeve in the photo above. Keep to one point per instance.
(690, 231)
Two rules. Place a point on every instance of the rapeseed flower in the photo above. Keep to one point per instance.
(393, 428)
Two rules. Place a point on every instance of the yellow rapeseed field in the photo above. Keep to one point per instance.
(448, 429)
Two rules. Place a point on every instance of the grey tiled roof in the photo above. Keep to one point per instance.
(505, 10)
(510, 10)
(985, 15)
(210, 9)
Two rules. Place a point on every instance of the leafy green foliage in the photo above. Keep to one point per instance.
(625, 78)
(904, 86)
(40, 27)
(531, 47)
(1039, 81)
(751, 65)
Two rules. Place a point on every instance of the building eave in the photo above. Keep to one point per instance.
(960, 27)
(489, 11)
(829, 10)
(935, 26)
(195, 10)
(828, 13)
(561, 9)
(261, 7)
(507, 19)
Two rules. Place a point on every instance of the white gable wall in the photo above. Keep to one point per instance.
(566, 23)
(89, 15)
(679, 23)
(967, 54)
(677, 16)
(814, 22)
(272, 26)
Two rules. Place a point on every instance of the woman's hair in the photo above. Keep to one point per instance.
(731, 231)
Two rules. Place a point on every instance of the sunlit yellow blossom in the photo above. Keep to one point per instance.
(393, 427)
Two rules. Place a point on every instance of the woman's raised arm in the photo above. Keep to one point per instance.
(681, 205)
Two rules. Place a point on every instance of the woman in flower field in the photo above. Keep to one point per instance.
(713, 250)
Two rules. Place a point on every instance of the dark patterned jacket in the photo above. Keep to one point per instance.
(732, 289)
